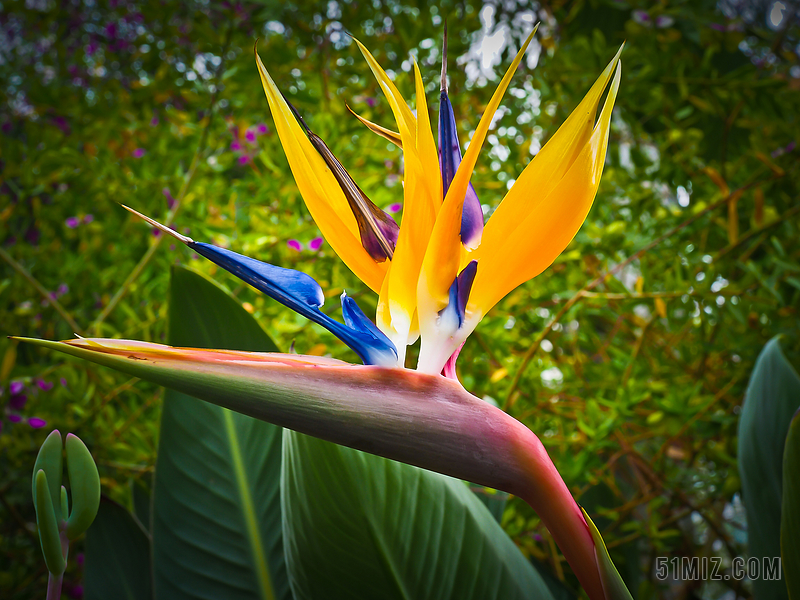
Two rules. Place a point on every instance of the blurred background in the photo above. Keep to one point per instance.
(629, 357)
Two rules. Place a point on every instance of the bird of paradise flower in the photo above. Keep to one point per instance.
(436, 276)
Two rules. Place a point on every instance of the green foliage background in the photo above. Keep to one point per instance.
(628, 357)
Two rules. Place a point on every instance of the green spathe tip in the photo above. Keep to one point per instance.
(84, 481)
(50, 460)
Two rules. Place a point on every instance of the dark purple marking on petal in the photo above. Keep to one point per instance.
(378, 229)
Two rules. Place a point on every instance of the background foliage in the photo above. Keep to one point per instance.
(629, 356)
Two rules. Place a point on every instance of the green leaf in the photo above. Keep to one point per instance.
(494, 500)
(790, 510)
(216, 509)
(613, 585)
(117, 556)
(360, 526)
(772, 398)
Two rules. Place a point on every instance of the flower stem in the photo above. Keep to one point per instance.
(545, 491)
(54, 586)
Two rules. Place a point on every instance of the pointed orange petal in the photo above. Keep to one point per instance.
(388, 134)
(321, 192)
(423, 195)
(538, 240)
(406, 121)
(547, 168)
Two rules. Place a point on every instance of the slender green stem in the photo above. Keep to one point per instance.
(187, 180)
(41, 289)
(143, 262)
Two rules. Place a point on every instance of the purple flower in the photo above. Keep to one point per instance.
(371, 102)
(17, 401)
(170, 199)
(663, 21)
(156, 232)
(641, 17)
(62, 124)
(72, 222)
(395, 208)
(138, 153)
(315, 244)
(76, 591)
(790, 146)
(32, 235)
(14, 418)
(79, 559)
(236, 146)
(88, 218)
(63, 288)
(243, 160)
(16, 387)
(36, 422)
(45, 386)
(250, 136)
(262, 129)
(154, 121)
(295, 245)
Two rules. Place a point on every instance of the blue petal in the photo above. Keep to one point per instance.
(378, 349)
(302, 294)
(449, 159)
(459, 292)
(291, 288)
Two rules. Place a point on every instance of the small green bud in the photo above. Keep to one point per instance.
(50, 460)
(48, 525)
(84, 481)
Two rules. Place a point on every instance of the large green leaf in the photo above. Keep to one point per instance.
(773, 396)
(360, 526)
(117, 556)
(216, 510)
(790, 511)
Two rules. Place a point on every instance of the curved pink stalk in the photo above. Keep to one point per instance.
(424, 420)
